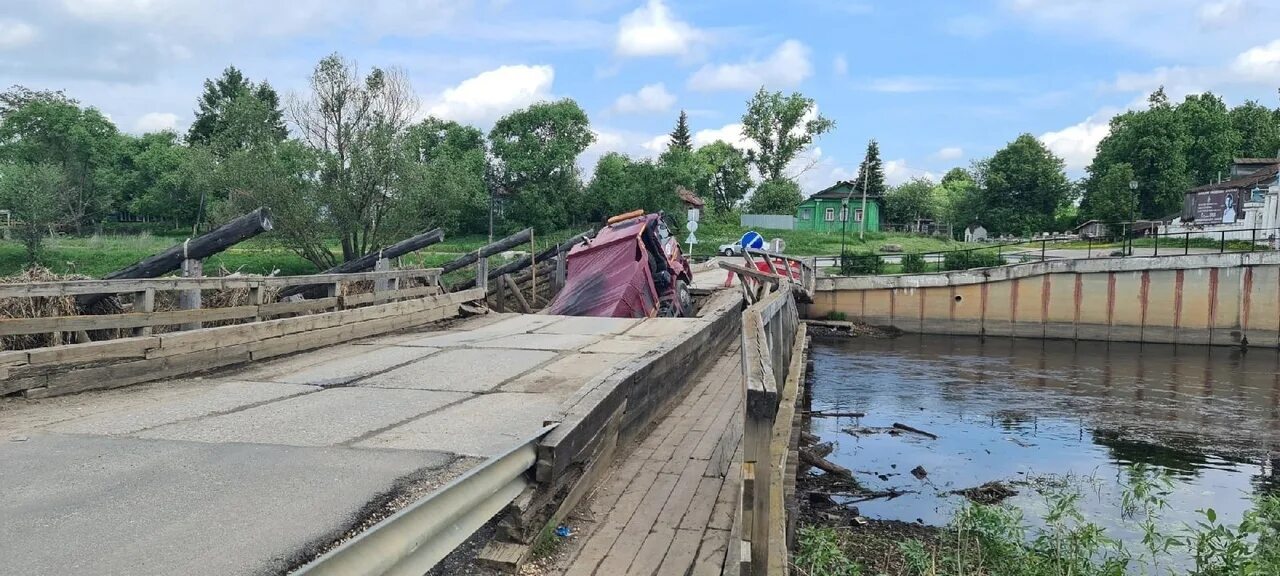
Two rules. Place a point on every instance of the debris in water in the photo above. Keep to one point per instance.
(990, 493)
(919, 472)
(825, 414)
(563, 531)
(904, 427)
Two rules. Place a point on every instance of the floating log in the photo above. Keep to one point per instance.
(904, 427)
(824, 414)
(200, 247)
(488, 250)
(367, 262)
(525, 261)
(809, 438)
(807, 456)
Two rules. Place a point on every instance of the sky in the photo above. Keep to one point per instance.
(939, 83)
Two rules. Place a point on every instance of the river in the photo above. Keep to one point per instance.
(1036, 413)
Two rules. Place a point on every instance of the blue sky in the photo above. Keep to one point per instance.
(938, 83)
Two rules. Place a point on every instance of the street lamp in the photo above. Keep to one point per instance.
(844, 227)
(1133, 213)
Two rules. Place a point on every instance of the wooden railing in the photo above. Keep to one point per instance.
(773, 344)
(758, 277)
(388, 285)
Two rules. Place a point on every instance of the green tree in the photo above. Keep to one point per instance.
(282, 178)
(446, 186)
(1112, 200)
(727, 178)
(235, 113)
(1259, 130)
(681, 139)
(911, 201)
(620, 184)
(164, 179)
(31, 193)
(1212, 140)
(871, 172)
(81, 142)
(1154, 143)
(1022, 187)
(957, 199)
(357, 123)
(780, 196)
(535, 152)
(782, 127)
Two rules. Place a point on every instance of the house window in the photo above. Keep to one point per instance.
(844, 214)
(804, 214)
(857, 215)
(831, 215)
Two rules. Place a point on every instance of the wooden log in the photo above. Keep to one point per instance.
(488, 250)
(519, 296)
(525, 262)
(368, 261)
(807, 456)
(904, 427)
(200, 247)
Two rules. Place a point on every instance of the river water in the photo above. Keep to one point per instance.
(1039, 413)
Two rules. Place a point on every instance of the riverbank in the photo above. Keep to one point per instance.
(1061, 438)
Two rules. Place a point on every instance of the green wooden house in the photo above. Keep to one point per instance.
(823, 211)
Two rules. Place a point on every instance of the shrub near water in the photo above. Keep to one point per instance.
(913, 264)
(967, 259)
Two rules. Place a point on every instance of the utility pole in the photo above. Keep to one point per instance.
(862, 224)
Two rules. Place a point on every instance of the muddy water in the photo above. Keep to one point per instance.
(1046, 412)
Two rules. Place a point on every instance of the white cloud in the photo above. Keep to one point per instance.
(1222, 13)
(729, 133)
(1260, 63)
(651, 30)
(839, 65)
(950, 153)
(788, 66)
(897, 172)
(651, 98)
(16, 33)
(155, 122)
(489, 95)
(1078, 144)
(657, 145)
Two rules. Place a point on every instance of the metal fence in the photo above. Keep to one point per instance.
(769, 221)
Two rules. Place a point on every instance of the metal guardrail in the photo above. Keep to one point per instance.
(411, 541)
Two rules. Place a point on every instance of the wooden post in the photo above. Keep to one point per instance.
(515, 291)
(334, 290)
(144, 302)
(500, 300)
(482, 274)
(381, 284)
(190, 299)
(255, 299)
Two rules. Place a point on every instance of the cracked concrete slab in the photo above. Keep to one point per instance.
(539, 341)
(463, 370)
(485, 425)
(588, 325)
(324, 418)
(96, 505)
(215, 397)
(632, 346)
(347, 368)
(664, 327)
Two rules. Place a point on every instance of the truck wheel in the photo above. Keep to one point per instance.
(686, 300)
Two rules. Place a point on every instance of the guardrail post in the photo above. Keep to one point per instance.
(562, 269)
(1156, 252)
(381, 284)
(255, 300)
(144, 302)
(1253, 238)
(482, 274)
(1222, 244)
(1186, 244)
(334, 290)
(190, 299)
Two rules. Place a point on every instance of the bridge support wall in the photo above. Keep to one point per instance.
(1215, 299)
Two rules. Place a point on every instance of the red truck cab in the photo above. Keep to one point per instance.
(632, 268)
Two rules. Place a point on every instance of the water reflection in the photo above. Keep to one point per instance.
(1029, 410)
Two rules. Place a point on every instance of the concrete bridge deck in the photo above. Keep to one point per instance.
(255, 470)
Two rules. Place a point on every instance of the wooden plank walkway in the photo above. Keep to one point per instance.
(668, 507)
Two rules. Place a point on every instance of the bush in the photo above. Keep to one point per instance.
(837, 316)
(913, 264)
(861, 263)
(967, 259)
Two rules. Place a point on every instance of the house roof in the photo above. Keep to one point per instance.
(839, 191)
(1257, 160)
(1085, 224)
(1247, 182)
(689, 197)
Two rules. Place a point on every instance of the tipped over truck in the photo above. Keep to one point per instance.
(632, 268)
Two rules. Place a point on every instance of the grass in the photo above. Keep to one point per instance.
(809, 243)
(995, 540)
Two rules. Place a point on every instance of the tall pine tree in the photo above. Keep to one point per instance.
(235, 113)
(681, 139)
(874, 180)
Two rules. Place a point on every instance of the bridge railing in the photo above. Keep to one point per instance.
(773, 343)
(768, 270)
(140, 314)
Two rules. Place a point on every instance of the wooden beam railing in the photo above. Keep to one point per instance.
(394, 284)
(773, 341)
(801, 271)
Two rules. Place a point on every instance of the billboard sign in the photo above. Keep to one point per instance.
(1216, 207)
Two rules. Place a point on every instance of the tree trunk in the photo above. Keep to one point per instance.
(525, 262)
(489, 250)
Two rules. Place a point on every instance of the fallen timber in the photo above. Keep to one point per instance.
(526, 261)
(488, 250)
(367, 262)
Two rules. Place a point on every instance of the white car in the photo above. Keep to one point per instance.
(734, 249)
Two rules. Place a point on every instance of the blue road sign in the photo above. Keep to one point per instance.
(752, 240)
